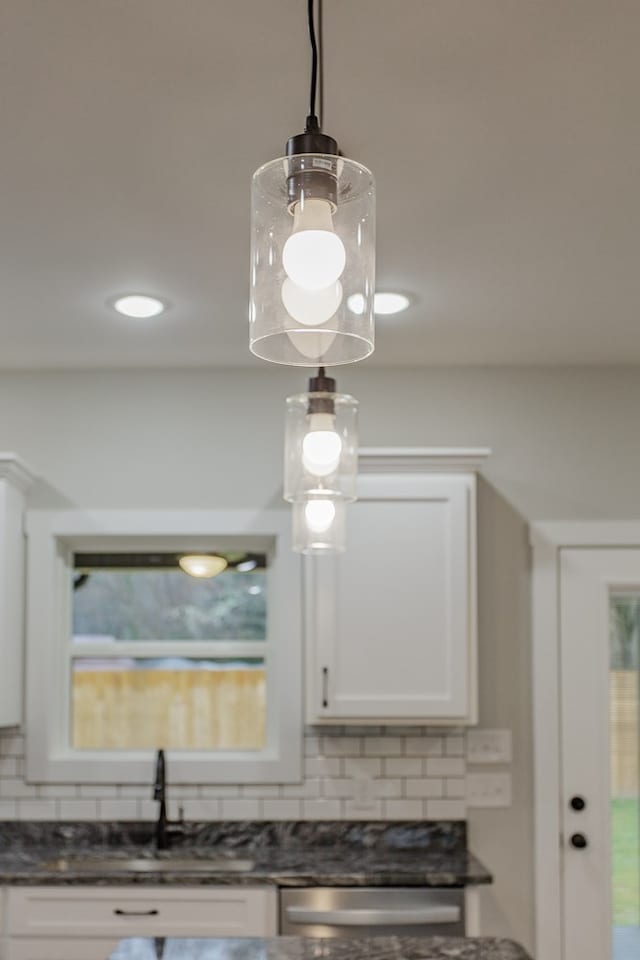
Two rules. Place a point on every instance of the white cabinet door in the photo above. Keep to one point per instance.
(15, 480)
(391, 624)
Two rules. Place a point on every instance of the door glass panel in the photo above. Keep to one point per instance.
(624, 714)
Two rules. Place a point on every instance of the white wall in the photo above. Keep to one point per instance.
(565, 447)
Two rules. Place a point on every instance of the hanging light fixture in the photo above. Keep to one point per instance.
(321, 463)
(319, 526)
(312, 249)
(204, 566)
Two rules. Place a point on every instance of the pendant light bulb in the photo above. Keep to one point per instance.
(319, 515)
(314, 256)
(321, 446)
(311, 307)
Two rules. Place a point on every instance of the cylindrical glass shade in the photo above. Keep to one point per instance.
(321, 446)
(312, 247)
(319, 526)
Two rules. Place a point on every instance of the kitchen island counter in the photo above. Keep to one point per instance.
(303, 948)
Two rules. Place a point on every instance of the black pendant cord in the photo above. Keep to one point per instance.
(313, 123)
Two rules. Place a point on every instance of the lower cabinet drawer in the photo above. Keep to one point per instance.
(117, 912)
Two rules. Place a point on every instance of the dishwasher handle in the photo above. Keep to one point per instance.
(402, 917)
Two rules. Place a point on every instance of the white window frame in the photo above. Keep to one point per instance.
(53, 537)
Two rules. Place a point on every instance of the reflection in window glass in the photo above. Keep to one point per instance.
(142, 603)
(177, 703)
(624, 708)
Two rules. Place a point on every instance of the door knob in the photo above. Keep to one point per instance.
(578, 840)
(577, 803)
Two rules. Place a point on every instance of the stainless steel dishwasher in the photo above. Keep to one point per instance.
(372, 911)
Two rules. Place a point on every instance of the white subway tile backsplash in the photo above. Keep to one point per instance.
(454, 746)
(311, 746)
(322, 767)
(77, 809)
(387, 788)
(201, 809)
(9, 766)
(446, 809)
(118, 809)
(338, 787)
(219, 791)
(260, 790)
(455, 787)
(12, 746)
(356, 810)
(16, 789)
(402, 809)
(281, 809)
(321, 809)
(37, 810)
(424, 746)
(413, 773)
(383, 746)
(56, 791)
(362, 766)
(403, 767)
(341, 746)
(308, 789)
(96, 791)
(445, 767)
(424, 788)
(241, 809)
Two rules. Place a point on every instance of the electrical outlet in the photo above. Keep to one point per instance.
(488, 789)
(489, 746)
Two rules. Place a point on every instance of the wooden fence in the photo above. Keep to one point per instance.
(625, 733)
(179, 710)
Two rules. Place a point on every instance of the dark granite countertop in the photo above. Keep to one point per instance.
(302, 948)
(300, 854)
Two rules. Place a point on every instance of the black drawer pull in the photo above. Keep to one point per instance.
(136, 913)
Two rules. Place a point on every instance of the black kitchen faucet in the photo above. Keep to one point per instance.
(164, 827)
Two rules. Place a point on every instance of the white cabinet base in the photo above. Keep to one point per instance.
(65, 923)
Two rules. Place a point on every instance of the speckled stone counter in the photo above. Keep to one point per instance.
(301, 948)
(287, 854)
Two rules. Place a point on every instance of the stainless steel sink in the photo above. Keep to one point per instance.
(100, 865)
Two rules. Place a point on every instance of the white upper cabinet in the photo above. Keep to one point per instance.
(15, 480)
(391, 624)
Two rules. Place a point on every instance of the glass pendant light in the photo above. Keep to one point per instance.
(312, 249)
(321, 443)
(320, 464)
(319, 526)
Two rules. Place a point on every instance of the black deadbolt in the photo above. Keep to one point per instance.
(577, 803)
(579, 841)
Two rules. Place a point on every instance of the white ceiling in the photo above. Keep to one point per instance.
(504, 136)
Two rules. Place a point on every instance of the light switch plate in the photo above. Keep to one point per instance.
(489, 746)
(488, 789)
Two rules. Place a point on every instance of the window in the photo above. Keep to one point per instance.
(127, 652)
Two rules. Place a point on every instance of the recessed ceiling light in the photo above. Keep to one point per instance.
(384, 303)
(139, 306)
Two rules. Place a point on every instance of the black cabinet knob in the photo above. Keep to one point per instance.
(577, 803)
(579, 841)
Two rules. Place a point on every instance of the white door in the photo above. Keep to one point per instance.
(600, 749)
